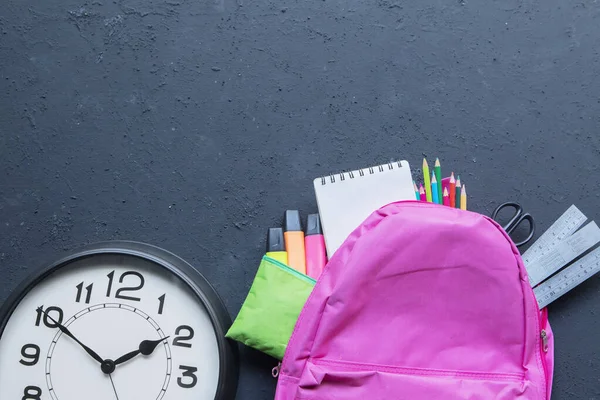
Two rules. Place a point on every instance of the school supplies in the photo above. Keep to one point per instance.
(437, 170)
(427, 180)
(560, 245)
(276, 245)
(445, 197)
(434, 190)
(517, 218)
(435, 185)
(565, 226)
(452, 191)
(567, 279)
(563, 253)
(416, 191)
(422, 193)
(448, 184)
(347, 198)
(316, 256)
(457, 192)
(270, 311)
(294, 241)
(392, 319)
(463, 197)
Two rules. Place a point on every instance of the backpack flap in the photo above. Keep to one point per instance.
(421, 302)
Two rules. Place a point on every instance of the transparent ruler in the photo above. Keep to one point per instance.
(550, 290)
(564, 227)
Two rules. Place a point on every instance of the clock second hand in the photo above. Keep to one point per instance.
(113, 385)
(67, 332)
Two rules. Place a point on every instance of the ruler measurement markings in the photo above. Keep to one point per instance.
(563, 227)
(567, 279)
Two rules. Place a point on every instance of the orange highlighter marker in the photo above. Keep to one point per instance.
(276, 246)
(294, 241)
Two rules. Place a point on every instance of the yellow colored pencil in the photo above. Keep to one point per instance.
(463, 197)
(427, 180)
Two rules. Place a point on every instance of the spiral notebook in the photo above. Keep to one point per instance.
(346, 199)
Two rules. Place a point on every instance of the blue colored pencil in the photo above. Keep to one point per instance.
(416, 190)
(434, 190)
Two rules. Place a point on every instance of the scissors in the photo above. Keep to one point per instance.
(519, 216)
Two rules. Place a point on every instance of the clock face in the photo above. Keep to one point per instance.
(110, 326)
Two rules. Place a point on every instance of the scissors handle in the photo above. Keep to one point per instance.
(516, 220)
(529, 218)
(510, 226)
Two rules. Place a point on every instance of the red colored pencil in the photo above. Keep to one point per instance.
(422, 193)
(452, 189)
(446, 198)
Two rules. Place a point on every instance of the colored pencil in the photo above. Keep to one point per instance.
(437, 169)
(463, 198)
(434, 190)
(457, 191)
(452, 190)
(416, 190)
(427, 180)
(422, 193)
(446, 198)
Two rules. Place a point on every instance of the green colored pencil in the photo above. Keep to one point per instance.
(437, 169)
(427, 180)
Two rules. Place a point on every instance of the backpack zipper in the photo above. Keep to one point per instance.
(291, 270)
(544, 341)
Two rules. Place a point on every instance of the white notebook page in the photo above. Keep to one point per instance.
(345, 200)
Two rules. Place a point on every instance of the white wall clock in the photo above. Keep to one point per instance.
(116, 321)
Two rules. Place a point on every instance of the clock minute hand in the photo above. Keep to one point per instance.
(146, 348)
(67, 332)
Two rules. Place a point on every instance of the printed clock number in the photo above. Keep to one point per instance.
(188, 372)
(32, 393)
(118, 295)
(54, 312)
(88, 291)
(31, 354)
(161, 305)
(179, 340)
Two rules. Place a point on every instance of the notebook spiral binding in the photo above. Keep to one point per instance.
(361, 172)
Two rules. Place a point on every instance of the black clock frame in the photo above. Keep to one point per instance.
(221, 321)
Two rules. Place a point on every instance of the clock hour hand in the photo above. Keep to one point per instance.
(67, 332)
(146, 348)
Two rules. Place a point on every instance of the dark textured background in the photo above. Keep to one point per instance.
(192, 125)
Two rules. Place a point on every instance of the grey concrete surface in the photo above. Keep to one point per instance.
(192, 125)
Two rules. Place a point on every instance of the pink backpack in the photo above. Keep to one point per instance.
(421, 302)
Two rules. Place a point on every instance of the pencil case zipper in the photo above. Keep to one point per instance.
(290, 270)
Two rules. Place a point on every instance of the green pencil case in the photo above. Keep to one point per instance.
(271, 309)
